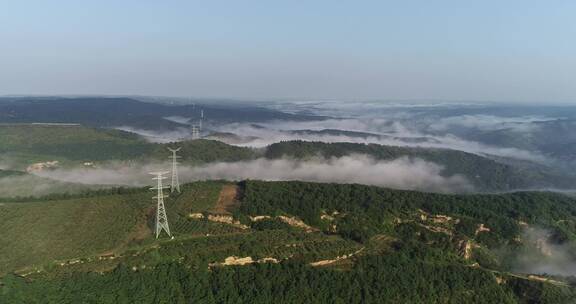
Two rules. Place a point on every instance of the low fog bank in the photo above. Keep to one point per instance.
(543, 256)
(401, 127)
(566, 191)
(490, 122)
(30, 185)
(386, 132)
(159, 136)
(402, 173)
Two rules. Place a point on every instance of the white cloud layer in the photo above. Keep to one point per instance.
(402, 173)
(387, 132)
(543, 257)
(488, 122)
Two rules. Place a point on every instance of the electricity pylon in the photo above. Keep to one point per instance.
(196, 126)
(175, 185)
(195, 132)
(161, 217)
(201, 119)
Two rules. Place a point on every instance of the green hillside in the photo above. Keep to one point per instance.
(40, 230)
(27, 144)
(373, 210)
(24, 144)
(486, 174)
(355, 244)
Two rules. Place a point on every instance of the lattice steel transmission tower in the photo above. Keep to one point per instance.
(201, 119)
(175, 185)
(161, 217)
(195, 132)
(196, 125)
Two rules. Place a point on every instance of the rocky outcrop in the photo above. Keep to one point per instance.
(226, 219)
(338, 258)
(437, 229)
(260, 218)
(237, 261)
(543, 246)
(219, 218)
(42, 166)
(231, 261)
(481, 228)
(465, 248)
(292, 221)
(436, 218)
(442, 219)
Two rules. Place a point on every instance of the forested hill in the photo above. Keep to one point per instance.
(369, 210)
(284, 242)
(74, 145)
(26, 143)
(114, 112)
(486, 174)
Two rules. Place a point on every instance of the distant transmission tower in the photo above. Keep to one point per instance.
(175, 185)
(161, 218)
(196, 126)
(195, 132)
(201, 119)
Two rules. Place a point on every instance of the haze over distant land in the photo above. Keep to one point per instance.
(486, 50)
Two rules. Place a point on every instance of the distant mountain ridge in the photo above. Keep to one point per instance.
(113, 112)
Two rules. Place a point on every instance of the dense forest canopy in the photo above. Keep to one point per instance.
(387, 244)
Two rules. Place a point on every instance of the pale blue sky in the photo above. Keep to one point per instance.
(458, 50)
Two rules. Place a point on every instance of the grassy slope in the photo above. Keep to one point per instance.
(40, 231)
